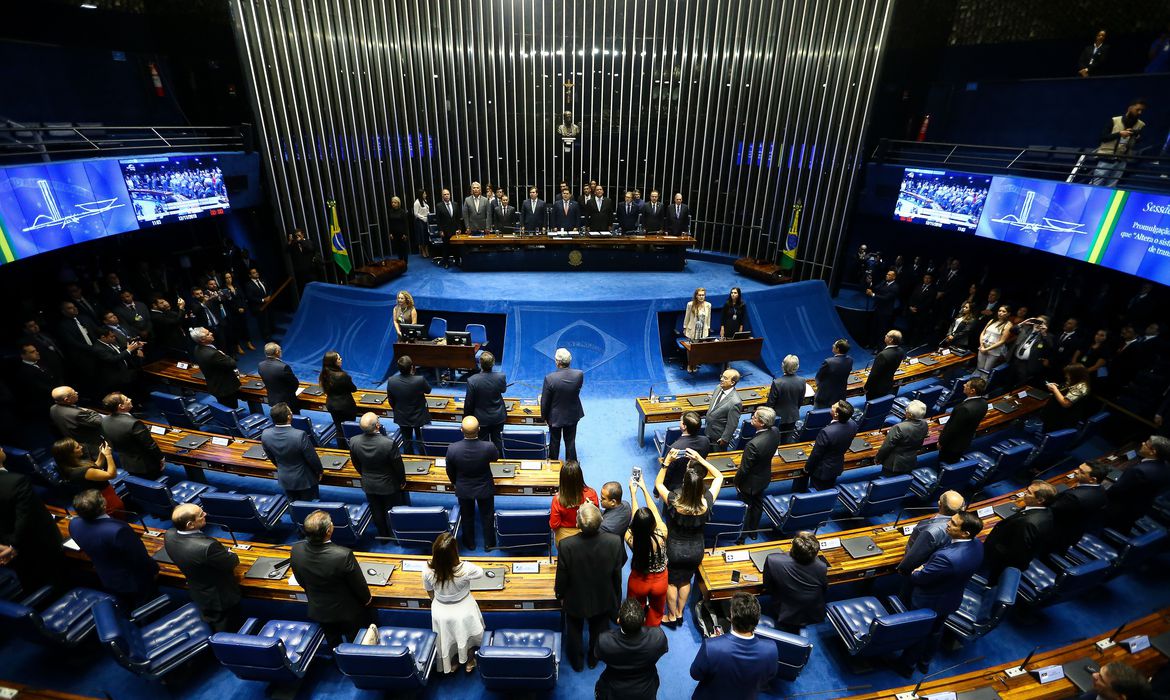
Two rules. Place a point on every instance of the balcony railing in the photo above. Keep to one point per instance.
(21, 143)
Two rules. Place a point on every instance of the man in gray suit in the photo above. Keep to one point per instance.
(476, 210)
(927, 536)
(377, 459)
(137, 451)
(560, 405)
(210, 568)
(723, 411)
(82, 424)
(899, 453)
(785, 396)
(298, 467)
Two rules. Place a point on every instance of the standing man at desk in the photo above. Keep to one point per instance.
(785, 396)
(339, 598)
(881, 376)
(406, 392)
(566, 214)
(560, 404)
(280, 382)
(219, 368)
(628, 214)
(449, 216)
(376, 457)
(599, 209)
(469, 468)
(485, 400)
(755, 469)
(826, 461)
(533, 213)
(678, 217)
(652, 213)
(298, 466)
(137, 451)
(505, 217)
(723, 411)
(885, 298)
(833, 376)
(210, 568)
(476, 211)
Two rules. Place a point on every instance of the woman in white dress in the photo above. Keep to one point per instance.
(993, 340)
(697, 319)
(455, 615)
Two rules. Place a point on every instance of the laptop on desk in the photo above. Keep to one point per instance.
(192, 442)
(697, 401)
(376, 573)
(417, 466)
(255, 452)
(437, 403)
(760, 555)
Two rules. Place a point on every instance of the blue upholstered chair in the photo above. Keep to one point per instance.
(479, 338)
(9, 584)
(322, 434)
(66, 621)
(928, 395)
(867, 628)
(929, 482)
(1001, 461)
(663, 439)
(154, 649)
(1119, 549)
(743, 434)
(793, 512)
(401, 661)
(159, 497)
(811, 425)
(865, 498)
(953, 393)
(726, 523)
(1047, 448)
(983, 606)
(793, 650)
(437, 436)
(179, 412)
(522, 528)
(519, 660)
(38, 465)
(245, 512)
(1059, 579)
(524, 443)
(238, 421)
(999, 379)
(1091, 425)
(350, 520)
(873, 415)
(280, 651)
(437, 329)
(420, 525)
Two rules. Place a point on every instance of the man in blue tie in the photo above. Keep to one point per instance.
(737, 660)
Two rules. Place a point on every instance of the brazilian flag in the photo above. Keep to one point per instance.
(792, 240)
(340, 252)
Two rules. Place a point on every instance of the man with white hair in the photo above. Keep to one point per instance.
(476, 210)
(899, 453)
(560, 405)
(280, 381)
(219, 368)
(588, 583)
(755, 468)
(377, 459)
(881, 375)
(785, 396)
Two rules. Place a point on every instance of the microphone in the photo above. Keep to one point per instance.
(898, 518)
(146, 528)
(913, 694)
(1022, 667)
(1109, 641)
(235, 543)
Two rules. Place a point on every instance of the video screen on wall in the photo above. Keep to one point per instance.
(941, 198)
(1139, 237)
(175, 188)
(1052, 216)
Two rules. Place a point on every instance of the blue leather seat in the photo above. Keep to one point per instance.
(1119, 549)
(38, 465)
(479, 338)
(743, 434)
(865, 498)
(520, 660)
(1060, 579)
(9, 584)
(793, 512)
(522, 528)
(793, 650)
(159, 497)
(66, 621)
(238, 421)
(402, 661)
(420, 525)
(525, 443)
(811, 425)
(437, 329)
(1047, 448)
(868, 629)
(983, 606)
(1003, 462)
(873, 415)
(350, 520)
(929, 482)
(437, 436)
(247, 512)
(663, 439)
(350, 429)
(726, 523)
(1089, 426)
(322, 434)
(278, 652)
(928, 395)
(953, 393)
(999, 379)
(151, 650)
(179, 412)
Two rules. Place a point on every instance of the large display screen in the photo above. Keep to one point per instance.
(1136, 237)
(175, 188)
(942, 198)
(1055, 217)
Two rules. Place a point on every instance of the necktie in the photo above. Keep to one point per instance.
(655, 207)
(477, 205)
(210, 317)
(627, 208)
(677, 211)
(84, 333)
(566, 208)
(598, 204)
(449, 211)
(534, 206)
(262, 289)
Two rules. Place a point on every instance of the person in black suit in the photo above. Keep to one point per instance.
(280, 382)
(560, 405)
(78, 336)
(298, 466)
(1066, 345)
(588, 583)
(1031, 356)
(339, 388)
(449, 216)
(628, 214)
(30, 542)
(826, 461)
(306, 259)
(566, 213)
(1134, 492)
(258, 295)
(117, 553)
(485, 400)
(89, 310)
(406, 392)
(755, 469)
(533, 212)
(599, 210)
(786, 395)
(1119, 681)
(899, 451)
(1079, 509)
(1094, 56)
(653, 213)
(33, 379)
(82, 424)
(339, 599)
(505, 218)
(630, 655)
(965, 418)
(885, 300)
(116, 366)
(920, 309)
(219, 368)
(52, 356)
(1023, 536)
(133, 315)
(675, 461)
(137, 451)
(209, 567)
(881, 375)
(469, 468)
(376, 457)
(798, 583)
(169, 338)
(833, 376)
(678, 217)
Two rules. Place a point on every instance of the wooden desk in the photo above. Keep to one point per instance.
(671, 409)
(24, 692)
(1026, 686)
(568, 253)
(521, 592)
(171, 373)
(718, 352)
(581, 240)
(433, 354)
(230, 459)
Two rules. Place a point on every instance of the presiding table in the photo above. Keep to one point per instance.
(571, 250)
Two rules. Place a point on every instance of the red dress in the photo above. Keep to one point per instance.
(560, 516)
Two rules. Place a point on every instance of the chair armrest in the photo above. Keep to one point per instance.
(1059, 561)
(37, 597)
(896, 605)
(170, 643)
(150, 608)
(250, 626)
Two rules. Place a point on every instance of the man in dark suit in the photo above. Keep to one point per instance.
(111, 289)
(928, 536)
(588, 583)
(30, 542)
(406, 392)
(755, 469)
(899, 451)
(339, 599)
(52, 356)
(533, 212)
(219, 368)
(628, 214)
(169, 337)
(826, 461)
(298, 466)
(1023, 536)
(485, 400)
(1032, 352)
(885, 298)
(117, 553)
(1069, 342)
(560, 405)
(376, 458)
(881, 375)
(122, 334)
(786, 395)
(599, 211)
(33, 379)
(630, 655)
(676, 460)
(653, 213)
(938, 584)
(738, 659)
(723, 411)
(280, 382)
(566, 214)
(798, 583)
(78, 336)
(469, 468)
(137, 451)
(82, 424)
(505, 218)
(449, 217)
(133, 315)
(1079, 509)
(920, 308)
(833, 376)
(951, 287)
(678, 217)
(89, 310)
(1134, 492)
(116, 366)
(1118, 680)
(964, 420)
(209, 567)
(258, 295)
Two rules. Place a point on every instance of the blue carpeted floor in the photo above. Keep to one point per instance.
(608, 448)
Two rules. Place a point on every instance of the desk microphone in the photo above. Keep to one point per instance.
(146, 528)
(235, 543)
(913, 694)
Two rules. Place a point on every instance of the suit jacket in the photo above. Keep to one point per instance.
(485, 398)
(279, 381)
(82, 424)
(1074, 512)
(599, 212)
(798, 590)
(959, 431)
(727, 661)
(168, 331)
(114, 365)
(1042, 349)
(406, 394)
(826, 461)
(298, 466)
(899, 451)
(117, 554)
(25, 523)
(628, 215)
(885, 298)
(785, 397)
(922, 298)
(723, 418)
(476, 220)
(589, 574)
(1015, 541)
(881, 375)
(52, 355)
(136, 449)
(469, 468)
(254, 294)
(631, 663)
(533, 218)
(675, 470)
(377, 459)
(939, 584)
(570, 220)
(210, 569)
(80, 353)
(36, 383)
(678, 223)
(755, 467)
(926, 537)
(332, 580)
(560, 397)
(832, 380)
(1134, 492)
(449, 222)
(339, 396)
(506, 219)
(136, 318)
(652, 216)
(1064, 348)
(219, 370)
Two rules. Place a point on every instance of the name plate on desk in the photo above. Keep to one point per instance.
(732, 557)
(830, 543)
(985, 511)
(1048, 674)
(157, 430)
(943, 420)
(1136, 643)
(220, 441)
(531, 465)
(413, 565)
(526, 567)
(182, 365)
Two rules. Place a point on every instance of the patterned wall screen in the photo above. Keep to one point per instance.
(745, 107)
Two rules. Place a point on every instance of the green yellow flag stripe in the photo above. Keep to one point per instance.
(1108, 222)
